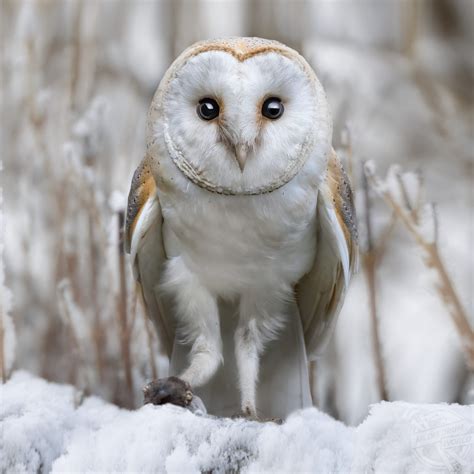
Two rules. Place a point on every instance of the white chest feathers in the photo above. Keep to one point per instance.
(234, 244)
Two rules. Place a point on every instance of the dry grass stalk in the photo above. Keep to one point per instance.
(133, 297)
(371, 258)
(3, 304)
(76, 56)
(369, 263)
(312, 372)
(384, 239)
(77, 356)
(432, 258)
(348, 152)
(122, 310)
(80, 178)
(97, 329)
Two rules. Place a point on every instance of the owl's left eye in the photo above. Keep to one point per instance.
(272, 108)
(208, 109)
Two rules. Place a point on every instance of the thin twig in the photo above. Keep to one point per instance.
(96, 329)
(77, 354)
(384, 238)
(312, 372)
(125, 334)
(76, 56)
(433, 260)
(369, 265)
(346, 141)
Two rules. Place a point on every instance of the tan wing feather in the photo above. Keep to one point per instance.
(142, 188)
(144, 242)
(320, 292)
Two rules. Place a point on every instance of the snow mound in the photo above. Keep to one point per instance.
(51, 427)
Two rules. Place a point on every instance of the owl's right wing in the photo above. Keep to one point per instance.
(144, 242)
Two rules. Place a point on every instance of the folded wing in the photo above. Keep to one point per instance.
(144, 242)
(320, 292)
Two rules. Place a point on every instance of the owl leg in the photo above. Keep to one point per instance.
(203, 329)
(247, 355)
(260, 318)
(198, 323)
(248, 348)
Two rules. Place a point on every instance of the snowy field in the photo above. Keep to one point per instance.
(51, 427)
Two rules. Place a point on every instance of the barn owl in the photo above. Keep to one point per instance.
(241, 227)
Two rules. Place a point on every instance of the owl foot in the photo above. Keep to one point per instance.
(248, 415)
(168, 390)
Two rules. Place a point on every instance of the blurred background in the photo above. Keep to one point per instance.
(77, 78)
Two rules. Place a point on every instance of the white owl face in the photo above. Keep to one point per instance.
(243, 126)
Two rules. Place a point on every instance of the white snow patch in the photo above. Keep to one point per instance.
(49, 427)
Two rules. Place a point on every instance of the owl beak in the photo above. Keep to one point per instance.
(241, 152)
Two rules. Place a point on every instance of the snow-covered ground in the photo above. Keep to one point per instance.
(51, 427)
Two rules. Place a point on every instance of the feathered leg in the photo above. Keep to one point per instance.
(259, 320)
(247, 356)
(198, 324)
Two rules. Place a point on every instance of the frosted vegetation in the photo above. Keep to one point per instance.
(77, 79)
(54, 428)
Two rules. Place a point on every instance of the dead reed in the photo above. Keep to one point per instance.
(420, 220)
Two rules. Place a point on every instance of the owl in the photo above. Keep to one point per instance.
(241, 227)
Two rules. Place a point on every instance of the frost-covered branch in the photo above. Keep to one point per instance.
(402, 192)
(75, 322)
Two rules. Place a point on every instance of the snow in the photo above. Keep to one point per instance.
(51, 427)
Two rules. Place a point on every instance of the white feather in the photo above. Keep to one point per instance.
(149, 214)
(340, 242)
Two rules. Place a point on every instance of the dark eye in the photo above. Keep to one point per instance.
(208, 109)
(272, 108)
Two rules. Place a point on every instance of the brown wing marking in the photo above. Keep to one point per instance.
(342, 199)
(143, 186)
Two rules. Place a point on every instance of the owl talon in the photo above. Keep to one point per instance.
(252, 417)
(168, 390)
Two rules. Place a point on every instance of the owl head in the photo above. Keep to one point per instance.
(239, 116)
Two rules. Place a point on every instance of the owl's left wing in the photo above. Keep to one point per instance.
(321, 291)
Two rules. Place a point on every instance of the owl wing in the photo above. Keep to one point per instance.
(144, 242)
(321, 291)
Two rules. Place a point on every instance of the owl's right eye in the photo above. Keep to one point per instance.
(208, 109)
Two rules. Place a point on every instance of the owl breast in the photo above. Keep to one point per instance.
(235, 244)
